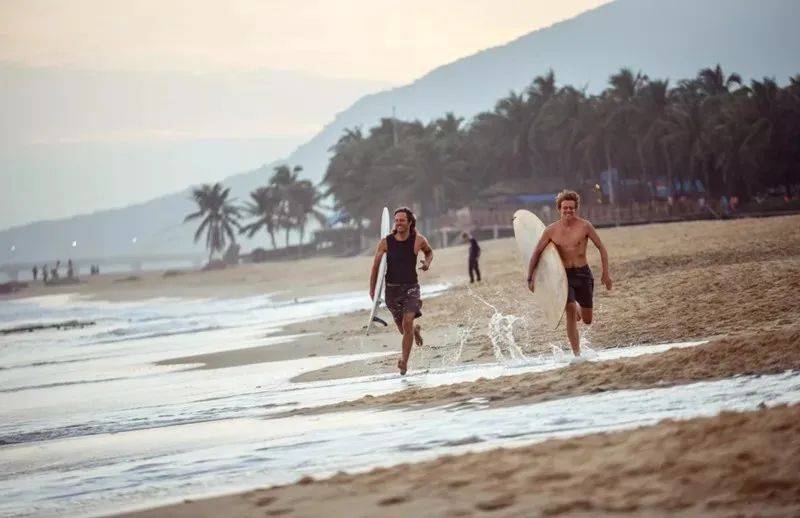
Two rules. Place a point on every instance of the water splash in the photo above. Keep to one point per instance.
(455, 340)
(505, 330)
(502, 331)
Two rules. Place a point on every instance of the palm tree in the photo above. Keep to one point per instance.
(737, 140)
(283, 179)
(304, 199)
(293, 201)
(220, 216)
(513, 114)
(264, 207)
(713, 82)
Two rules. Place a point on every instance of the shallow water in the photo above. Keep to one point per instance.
(90, 426)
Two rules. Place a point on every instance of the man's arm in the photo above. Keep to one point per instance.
(376, 263)
(606, 278)
(426, 249)
(537, 253)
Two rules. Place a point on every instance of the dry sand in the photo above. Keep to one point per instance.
(734, 464)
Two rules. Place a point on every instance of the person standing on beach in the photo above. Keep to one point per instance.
(35, 272)
(403, 300)
(570, 234)
(474, 255)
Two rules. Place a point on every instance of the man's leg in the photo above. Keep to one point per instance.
(572, 328)
(408, 338)
(469, 266)
(477, 271)
(418, 334)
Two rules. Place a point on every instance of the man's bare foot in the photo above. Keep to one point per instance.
(402, 366)
(418, 335)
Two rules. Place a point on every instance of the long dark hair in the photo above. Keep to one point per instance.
(412, 220)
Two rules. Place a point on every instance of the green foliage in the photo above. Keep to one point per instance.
(219, 215)
(734, 139)
(286, 202)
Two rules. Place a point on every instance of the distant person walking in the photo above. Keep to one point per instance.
(44, 273)
(35, 272)
(70, 269)
(402, 286)
(474, 255)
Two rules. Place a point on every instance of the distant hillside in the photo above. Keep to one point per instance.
(672, 39)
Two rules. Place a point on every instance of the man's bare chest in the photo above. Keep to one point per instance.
(570, 239)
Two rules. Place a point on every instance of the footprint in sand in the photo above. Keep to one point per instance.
(499, 502)
(393, 500)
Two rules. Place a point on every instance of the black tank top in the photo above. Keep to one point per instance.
(401, 261)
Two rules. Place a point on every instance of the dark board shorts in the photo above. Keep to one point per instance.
(403, 298)
(581, 286)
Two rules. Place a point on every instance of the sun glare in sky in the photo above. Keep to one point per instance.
(389, 40)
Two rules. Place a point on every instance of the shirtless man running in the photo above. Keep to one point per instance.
(402, 287)
(571, 234)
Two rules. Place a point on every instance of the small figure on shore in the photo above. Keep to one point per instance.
(44, 273)
(70, 270)
(474, 255)
(35, 272)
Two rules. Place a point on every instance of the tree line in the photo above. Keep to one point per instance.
(712, 130)
(285, 203)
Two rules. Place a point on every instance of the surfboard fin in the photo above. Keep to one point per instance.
(559, 320)
(379, 320)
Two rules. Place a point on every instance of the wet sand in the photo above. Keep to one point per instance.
(734, 464)
(672, 282)
(746, 354)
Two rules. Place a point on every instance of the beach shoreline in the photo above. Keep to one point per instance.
(734, 282)
(733, 463)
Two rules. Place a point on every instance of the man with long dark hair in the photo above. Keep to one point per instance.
(401, 247)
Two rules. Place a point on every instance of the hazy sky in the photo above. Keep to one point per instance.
(391, 40)
(132, 99)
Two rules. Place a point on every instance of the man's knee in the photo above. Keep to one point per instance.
(408, 323)
(586, 316)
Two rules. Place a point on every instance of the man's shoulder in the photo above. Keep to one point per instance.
(553, 226)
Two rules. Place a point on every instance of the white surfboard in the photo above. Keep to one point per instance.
(550, 278)
(386, 227)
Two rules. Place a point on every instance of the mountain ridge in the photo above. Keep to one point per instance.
(583, 51)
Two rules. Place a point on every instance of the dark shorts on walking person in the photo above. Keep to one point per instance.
(581, 286)
(402, 299)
